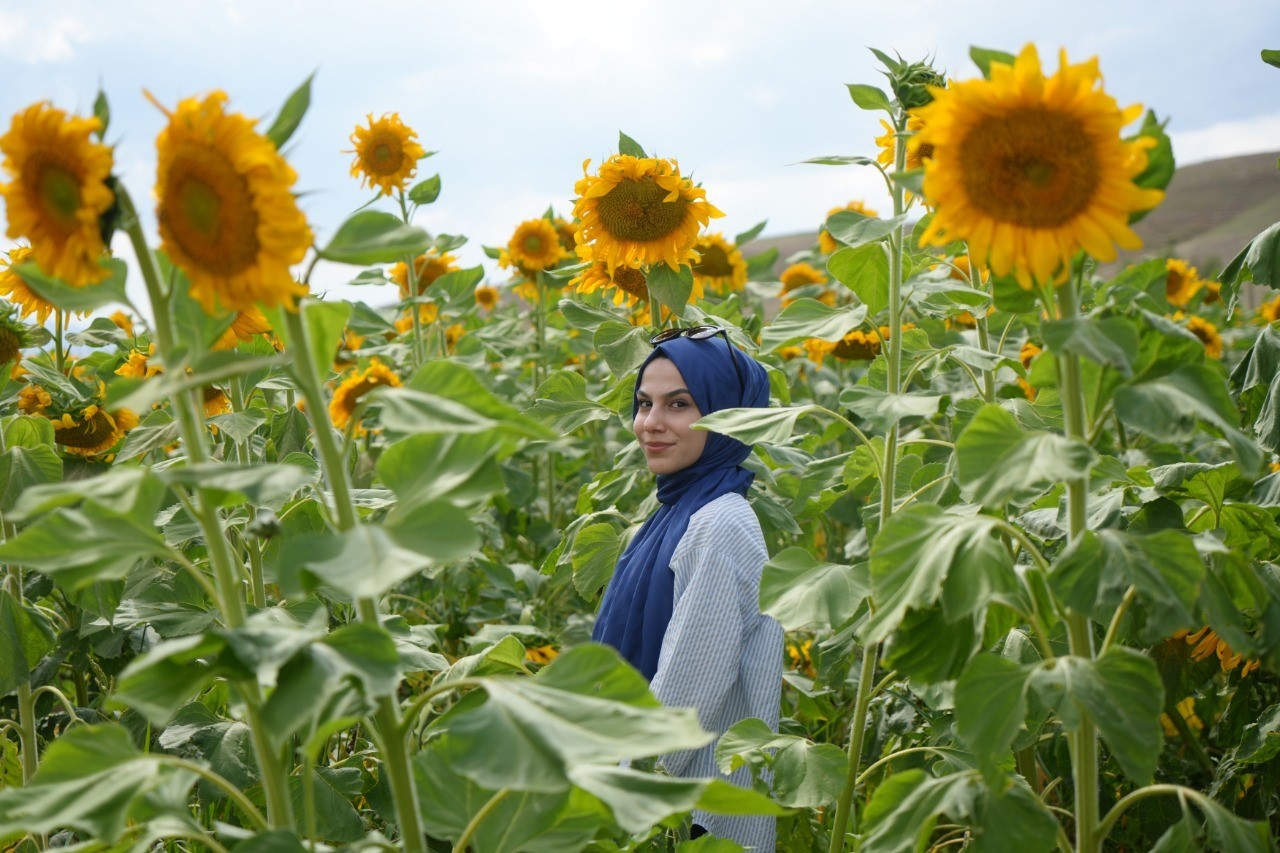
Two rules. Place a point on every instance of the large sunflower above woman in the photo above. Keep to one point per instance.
(1030, 169)
(638, 211)
(58, 190)
(228, 217)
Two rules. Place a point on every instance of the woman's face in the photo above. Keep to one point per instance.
(663, 419)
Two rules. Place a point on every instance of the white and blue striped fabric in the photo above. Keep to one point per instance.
(720, 655)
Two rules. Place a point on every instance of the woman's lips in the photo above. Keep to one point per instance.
(651, 447)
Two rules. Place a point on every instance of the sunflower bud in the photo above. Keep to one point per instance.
(910, 83)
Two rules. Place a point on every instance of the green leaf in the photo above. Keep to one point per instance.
(562, 402)
(325, 322)
(984, 56)
(406, 410)
(226, 745)
(459, 468)
(102, 111)
(906, 807)
(1112, 341)
(169, 675)
(840, 160)
(855, 229)
(882, 409)
(77, 547)
(991, 704)
(805, 774)
(451, 380)
(623, 345)
(750, 234)
(290, 115)
(1261, 740)
(1121, 693)
(594, 556)
(374, 237)
(425, 192)
(869, 97)
(924, 555)
(26, 431)
(754, 426)
(809, 318)
(333, 789)
(80, 299)
(1271, 57)
(1229, 831)
(997, 462)
(239, 425)
(530, 731)
(865, 271)
(25, 638)
(670, 287)
(799, 591)
(22, 468)
(1259, 262)
(628, 146)
(262, 484)
(1009, 296)
(1013, 819)
(131, 489)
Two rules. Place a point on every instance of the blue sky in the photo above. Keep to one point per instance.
(515, 96)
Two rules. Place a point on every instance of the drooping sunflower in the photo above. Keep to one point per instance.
(1182, 281)
(13, 337)
(226, 212)
(13, 288)
(387, 153)
(33, 400)
(801, 275)
(123, 321)
(215, 401)
(628, 284)
(93, 431)
(1207, 643)
(357, 383)
(1029, 169)
(486, 296)
(828, 244)
(58, 190)
(1208, 334)
(453, 334)
(565, 233)
(541, 655)
(138, 365)
(917, 152)
(638, 211)
(428, 266)
(1026, 356)
(1187, 710)
(721, 267)
(244, 328)
(817, 350)
(535, 246)
(1269, 311)
(428, 312)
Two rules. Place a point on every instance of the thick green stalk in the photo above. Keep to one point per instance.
(226, 576)
(984, 337)
(387, 722)
(857, 732)
(1083, 742)
(549, 460)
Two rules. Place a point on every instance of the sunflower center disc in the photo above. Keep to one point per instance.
(91, 433)
(532, 244)
(60, 192)
(10, 346)
(714, 263)
(635, 210)
(1033, 167)
(631, 281)
(385, 155)
(207, 207)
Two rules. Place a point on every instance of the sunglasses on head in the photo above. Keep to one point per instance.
(702, 333)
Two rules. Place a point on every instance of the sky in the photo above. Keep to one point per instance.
(515, 95)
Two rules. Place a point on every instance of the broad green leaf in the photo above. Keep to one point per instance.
(77, 547)
(623, 345)
(226, 745)
(425, 192)
(540, 731)
(1120, 692)
(754, 426)
(459, 468)
(168, 675)
(840, 160)
(805, 774)
(855, 229)
(799, 591)
(991, 704)
(863, 269)
(503, 657)
(408, 411)
(333, 789)
(1271, 57)
(929, 647)
(905, 808)
(671, 287)
(594, 556)
(1261, 740)
(455, 382)
(374, 237)
(751, 233)
(628, 146)
(263, 484)
(924, 555)
(1013, 819)
(1112, 341)
(25, 638)
(562, 402)
(291, 113)
(1229, 831)
(809, 318)
(265, 643)
(27, 431)
(91, 297)
(869, 97)
(238, 425)
(997, 462)
(1259, 262)
(640, 800)
(22, 468)
(325, 322)
(882, 409)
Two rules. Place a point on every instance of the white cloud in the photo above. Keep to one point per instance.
(1227, 139)
(52, 41)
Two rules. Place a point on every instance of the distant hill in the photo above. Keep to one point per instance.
(1211, 210)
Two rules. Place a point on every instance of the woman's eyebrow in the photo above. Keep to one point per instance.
(668, 395)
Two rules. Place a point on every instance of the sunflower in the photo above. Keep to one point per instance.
(535, 246)
(1207, 643)
(1269, 311)
(1026, 356)
(123, 322)
(1182, 281)
(453, 334)
(799, 656)
(541, 655)
(817, 350)
(1029, 169)
(628, 284)
(721, 267)
(1212, 292)
(789, 353)
(828, 244)
(1208, 334)
(565, 233)
(16, 290)
(428, 312)
(386, 152)
(244, 328)
(13, 339)
(33, 400)
(215, 401)
(803, 275)
(429, 267)
(1187, 710)
(59, 190)
(226, 213)
(638, 211)
(94, 431)
(138, 366)
(486, 296)
(355, 385)
(917, 152)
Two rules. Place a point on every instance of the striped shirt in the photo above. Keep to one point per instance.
(720, 655)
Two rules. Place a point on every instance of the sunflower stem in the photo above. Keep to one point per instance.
(59, 353)
(1083, 742)
(226, 578)
(549, 461)
(984, 337)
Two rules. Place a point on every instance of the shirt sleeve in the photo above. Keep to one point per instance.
(702, 648)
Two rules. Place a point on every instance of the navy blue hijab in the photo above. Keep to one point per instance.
(638, 603)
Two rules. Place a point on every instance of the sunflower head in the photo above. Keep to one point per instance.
(428, 266)
(535, 246)
(566, 232)
(123, 321)
(720, 267)
(803, 275)
(387, 153)
(58, 190)
(638, 211)
(1208, 334)
(137, 365)
(16, 290)
(14, 336)
(92, 430)
(917, 152)
(1182, 281)
(352, 387)
(227, 214)
(33, 400)
(828, 244)
(1269, 311)
(428, 313)
(215, 401)
(244, 328)
(1029, 168)
(486, 296)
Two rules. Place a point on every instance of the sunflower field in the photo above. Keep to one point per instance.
(284, 572)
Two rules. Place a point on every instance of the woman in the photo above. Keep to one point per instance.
(683, 604)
